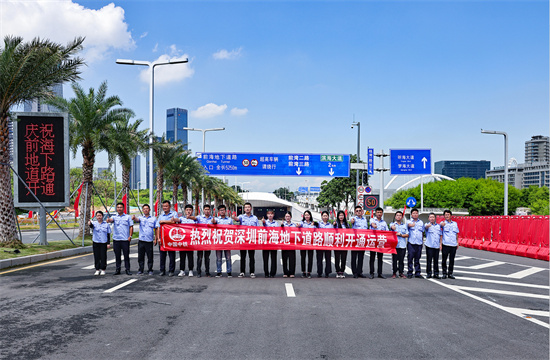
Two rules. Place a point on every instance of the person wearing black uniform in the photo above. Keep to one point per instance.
(266, 254)
(340, 256)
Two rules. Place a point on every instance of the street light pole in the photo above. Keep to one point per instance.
(151, 65)
(358, 124)
(505, 164)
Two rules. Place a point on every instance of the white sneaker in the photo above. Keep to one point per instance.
(252, 275)
(102, 272)
(241, 275)
(96, 272)
(190, 273)
(182, 273)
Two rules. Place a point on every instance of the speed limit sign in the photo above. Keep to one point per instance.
(371, 201)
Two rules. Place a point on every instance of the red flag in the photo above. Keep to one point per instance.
(156, 207)
(346, 213)
(77, 200)
(124, 198)
(176, 207)
(30, 214)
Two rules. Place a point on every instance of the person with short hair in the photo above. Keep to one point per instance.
(288, 256)
(449, 243)
(307, 223)
(414, 246)
(185, 254)
(166, 217)
(266, 254)
(123, 228)
(147, 235)
(324, 224)
(247, 219)
(222, 219)
(433, 241)
(377, 223)
(398, 259)
(358, 222)
(101, 237)
(340, 256)
(204, 218)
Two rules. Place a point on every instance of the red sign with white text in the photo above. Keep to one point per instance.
(181, 237)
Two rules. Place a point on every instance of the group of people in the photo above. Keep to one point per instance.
(439, 236)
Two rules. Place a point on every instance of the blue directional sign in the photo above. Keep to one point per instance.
(314, 189)
(370, 161)
(411, 202)
(302, 189)
(329, 165)
(411, 161)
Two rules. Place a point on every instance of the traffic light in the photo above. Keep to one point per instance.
(365, 178)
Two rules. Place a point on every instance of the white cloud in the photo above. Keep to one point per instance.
(208, 111)
(156, 48)
(169, 73)
(60, 21)
(227, 55)
(239, 112)
(143, 35)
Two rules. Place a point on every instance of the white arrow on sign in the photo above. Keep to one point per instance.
(298, 171)
(424, 161)
(331, 172)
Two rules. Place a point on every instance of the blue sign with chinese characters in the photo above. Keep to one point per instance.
(330, 165)
(370, 161)
(411, 202)
(411, 161)
(302, 189)
(314, 189)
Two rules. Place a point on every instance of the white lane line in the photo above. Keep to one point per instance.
(502, 292)
(289, 290)
(524, 273)
(504, 282)
(132, 256)
(348, 269)
(120, 286)
(486, 265)
(512, 276)
(530, 312)
(233, 259)
(485, 301)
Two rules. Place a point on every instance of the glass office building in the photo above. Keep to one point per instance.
(135, 173)
(458, 169)
(176, 120)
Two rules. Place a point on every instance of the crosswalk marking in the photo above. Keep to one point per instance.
(523, 273)
(486, 265)
(502, 292)
(503, 282)
(113, 289)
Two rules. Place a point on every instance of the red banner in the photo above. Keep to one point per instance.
(236, 237)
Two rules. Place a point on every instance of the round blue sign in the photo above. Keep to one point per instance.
(411, 202)
(368, 189)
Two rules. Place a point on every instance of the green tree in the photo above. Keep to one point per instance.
(284, 193)
(339, 189)
(163, 152)
(28, 70)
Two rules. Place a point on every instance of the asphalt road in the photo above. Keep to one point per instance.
(497, 308)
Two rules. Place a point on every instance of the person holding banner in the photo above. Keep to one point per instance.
(377, 223)
(101, 237)
(414, 247)
(289, 256)
(358, 222)
(222, 219)
(166, 217)
(340, 256)
(185, 219)
(247, 219)
(307, 223)
(398, 260)
(123, 228)
(324, 224)
(266, 254)
(204, 218)
(147, 230)
(449, 243)
(433, 241)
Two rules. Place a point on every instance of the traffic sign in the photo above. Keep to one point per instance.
(410, 161)
(370, 161)
(368, 190)
(302, 189)
(371, 201)
(411, 202)
(314, 189)
(329, 165)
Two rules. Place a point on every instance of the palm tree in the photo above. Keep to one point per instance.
(124, 141)
(91, 116)
(180, 171)
(28, 71)
(163, 152)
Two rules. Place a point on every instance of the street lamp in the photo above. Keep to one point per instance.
(505, 164)
(242, 189)
(358, 124)
(151, 65)
(139, 190)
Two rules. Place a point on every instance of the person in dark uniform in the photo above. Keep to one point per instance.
(167, 217)
(123, 228)
(266, 254)
(377, 223)
(324, 224)
(147, 235)
(307, 223)
(289, 256)
(358, 222)
(101, 237)
(340, 256)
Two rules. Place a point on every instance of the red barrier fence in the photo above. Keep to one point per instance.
(515, 235)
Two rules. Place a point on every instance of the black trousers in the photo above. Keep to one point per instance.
(266, 254)
(340, 257)
(414, 253)
(206, 255)
(373, 256)
(252, 260)
(100, 255)
(398, 261)
(289, 262)
(172, 264)
(309, 254)
(145, 247)
(448, 251)
(124, 247)
(328, 264)
(189, 256)
(432, 255)
(357, 262)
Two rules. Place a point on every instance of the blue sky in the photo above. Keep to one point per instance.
(415, 74)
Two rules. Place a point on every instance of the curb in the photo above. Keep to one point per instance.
(30, 259)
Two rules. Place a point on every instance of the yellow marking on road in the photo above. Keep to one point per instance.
(44, 263)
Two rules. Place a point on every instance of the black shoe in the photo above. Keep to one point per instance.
(380, 276)
(362, 276)
(150, 272)
(429, 277)
(117, 272)
(437, 277)
(326, 275)
(199, 275)
(309, 275)
(162, 273)
(444, 276)
(218, 275)
(419, 277)
(355, 276)
(140, 272)
(371, 276)
(267, 276)
(229, 275)
(128, 272)
(451, 277)
(409, 276)
(208, 274)
(170, 274)
(304, 275)
(319, 275)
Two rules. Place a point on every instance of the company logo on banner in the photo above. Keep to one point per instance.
(199, 237)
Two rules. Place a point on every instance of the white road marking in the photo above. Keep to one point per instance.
(530, 312)
(486, 265)
(512, 311)
(289, 290)
(348, 269)
(120, 286)
(503, 282)
(503, 292)
(526, 272)
(512, 276)
(233, 259)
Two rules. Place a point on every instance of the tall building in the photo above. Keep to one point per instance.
(537, 149)
(176, 120)
(102, 173)
(135, 173)
(36, 105)
(458, 169)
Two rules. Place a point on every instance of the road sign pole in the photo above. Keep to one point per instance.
(421, 193)
(381, 179)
